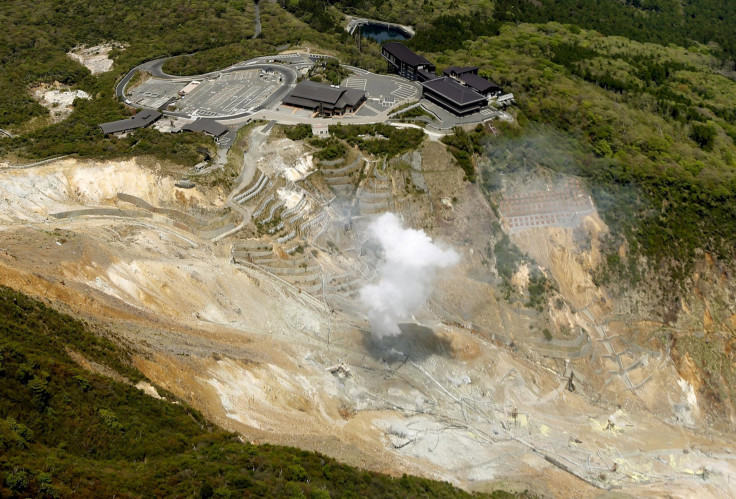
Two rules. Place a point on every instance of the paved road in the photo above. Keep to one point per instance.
(265, 111)
(360, 21)
(155, 68)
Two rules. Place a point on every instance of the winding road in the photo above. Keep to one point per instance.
(155, 68)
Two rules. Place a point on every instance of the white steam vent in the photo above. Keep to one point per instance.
(406, 273)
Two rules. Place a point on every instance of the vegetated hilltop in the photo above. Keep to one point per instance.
(65, 430)
(657, 21)
(35, 41)
(651, 127)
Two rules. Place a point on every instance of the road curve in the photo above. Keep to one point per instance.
(155, 68)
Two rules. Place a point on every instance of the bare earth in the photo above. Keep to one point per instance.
(450, 399)
(94, 58)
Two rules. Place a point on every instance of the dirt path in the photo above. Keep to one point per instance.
(257, 29)
(252, 155)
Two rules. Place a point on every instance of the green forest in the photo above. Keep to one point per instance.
(209, 35)
(66, 431)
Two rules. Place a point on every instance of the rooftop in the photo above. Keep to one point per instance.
(460, 70)
(453, 91)
(209, 126)
(140, 120)
(405, 54)
(317, 91)
(479, 83)
(311, 94)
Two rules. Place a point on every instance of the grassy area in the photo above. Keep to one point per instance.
(415, 112)
(464, 146)
(328, 71)
(66, 431)
(329, 149)
(380, 139)
(297, 132)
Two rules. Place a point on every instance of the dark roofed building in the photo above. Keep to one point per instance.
(457, 71)
(207, 126)
(423, 75)
(140, 120)
(481, 85)
(325, 99)
(452, 96)
(404, 62)
(469, 77)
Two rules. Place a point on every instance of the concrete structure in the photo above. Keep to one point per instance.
(320, 130)
(190, 86)
(140, 120)
(454, 97)
(506, 100)
(404, 62)
(325, 100)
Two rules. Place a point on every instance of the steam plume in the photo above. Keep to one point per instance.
(406, 272)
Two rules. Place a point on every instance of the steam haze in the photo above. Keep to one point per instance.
(406, 273)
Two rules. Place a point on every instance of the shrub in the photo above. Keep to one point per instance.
(17, 481)
(110, 419)
(298, 132)
(703, 134)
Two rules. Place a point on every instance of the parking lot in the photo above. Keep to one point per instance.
(154, 93)
(229, 94)
(383, 92)
(226, 94)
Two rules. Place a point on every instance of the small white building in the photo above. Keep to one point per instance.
(320, 130)
(505, 100)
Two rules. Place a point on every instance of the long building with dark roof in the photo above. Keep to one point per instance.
(481, 85)
(140, 120)
(469, 77)
(404, 62)
(457, 71)
(453, 96)
(326, 100)
(208, 126)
